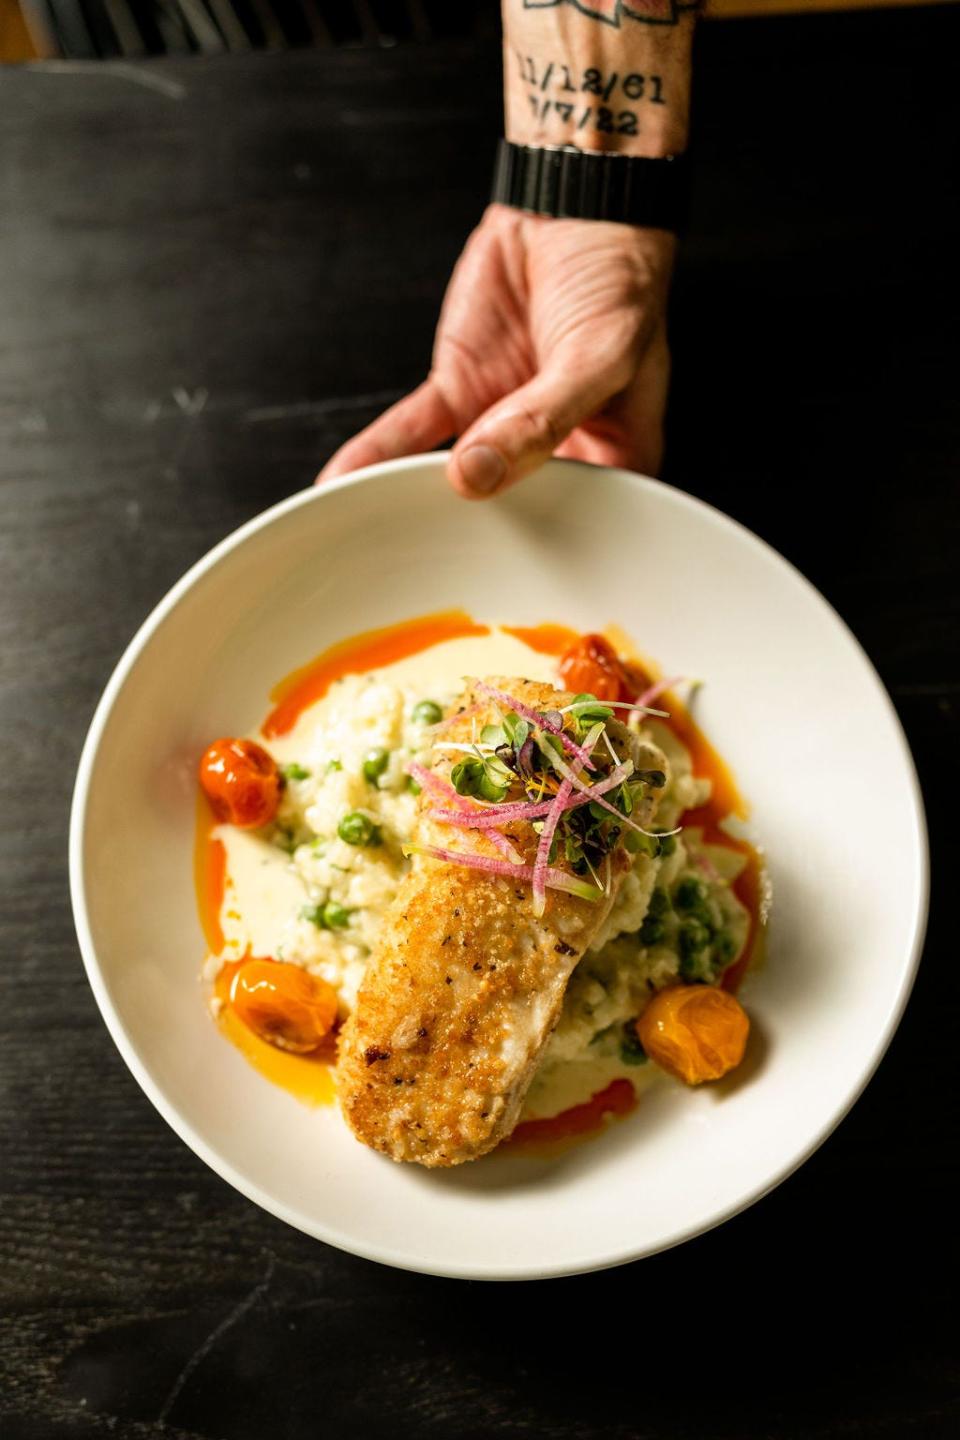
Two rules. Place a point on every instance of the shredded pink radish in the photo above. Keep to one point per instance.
(543, 849)
(541, 722)
(464, 714)
(653, 692)
(504, 846)
(555, 879)
(438, 786)
(427, 780)
(568, 774)
(495, 815)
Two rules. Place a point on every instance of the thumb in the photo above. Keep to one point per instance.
(521, 431)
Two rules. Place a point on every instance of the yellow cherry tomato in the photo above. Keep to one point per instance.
(695, 1032)
(283, 1004)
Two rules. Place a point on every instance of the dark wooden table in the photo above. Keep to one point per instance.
(210, 274)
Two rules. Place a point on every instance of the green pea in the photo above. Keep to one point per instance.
(334, 765)
(375, 764)
(652, 930)
(412, 786)
(314, 913)
(631, 1050)
(694, 939)
(295, 772)
(725, 948)
(659, 902)
(689, 894)
(427, 712)
(335, 915)
(357, 829)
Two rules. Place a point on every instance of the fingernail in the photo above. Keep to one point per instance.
(482, 469)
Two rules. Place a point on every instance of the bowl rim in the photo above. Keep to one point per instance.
(386, 1254)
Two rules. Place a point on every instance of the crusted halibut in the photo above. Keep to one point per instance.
(466, 984)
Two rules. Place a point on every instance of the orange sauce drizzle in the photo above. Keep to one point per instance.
(545, 639)
(618, 1099)
(309, 1076)
(369, 651)
(209, 875)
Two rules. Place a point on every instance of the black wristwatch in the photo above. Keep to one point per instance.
(568, 183)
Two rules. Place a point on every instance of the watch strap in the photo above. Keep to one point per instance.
(568, 183)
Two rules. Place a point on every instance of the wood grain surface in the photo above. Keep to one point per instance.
(211, 272)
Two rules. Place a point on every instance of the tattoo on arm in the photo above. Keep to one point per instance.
(610, 12)
(558, 92)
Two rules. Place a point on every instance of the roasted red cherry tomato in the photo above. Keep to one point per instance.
(241, 781)
(593, 667)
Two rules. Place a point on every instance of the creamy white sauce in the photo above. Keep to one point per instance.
(433, 673)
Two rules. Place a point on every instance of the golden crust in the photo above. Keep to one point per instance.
(463, 990)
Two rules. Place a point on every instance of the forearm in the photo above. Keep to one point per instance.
(598, 74)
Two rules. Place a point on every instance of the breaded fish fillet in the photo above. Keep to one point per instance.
(466, 985)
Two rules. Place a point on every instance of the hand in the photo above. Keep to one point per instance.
(552, 341)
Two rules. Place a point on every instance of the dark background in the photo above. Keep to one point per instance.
(211, 273)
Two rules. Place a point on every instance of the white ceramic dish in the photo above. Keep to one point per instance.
(791, 702)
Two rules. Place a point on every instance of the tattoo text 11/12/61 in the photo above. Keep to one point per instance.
(556, 77)
(612, 12)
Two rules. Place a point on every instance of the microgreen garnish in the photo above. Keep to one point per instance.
(486, 777)
(559, 772)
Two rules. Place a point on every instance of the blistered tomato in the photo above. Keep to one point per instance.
(695, 1032)
(241, 781)
(592, 667)
(283, 1004)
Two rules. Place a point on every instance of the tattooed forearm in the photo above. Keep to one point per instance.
(602, 86)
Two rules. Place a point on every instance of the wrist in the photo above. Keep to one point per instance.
(603, 81)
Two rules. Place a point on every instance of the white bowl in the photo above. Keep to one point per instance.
(790, 700)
